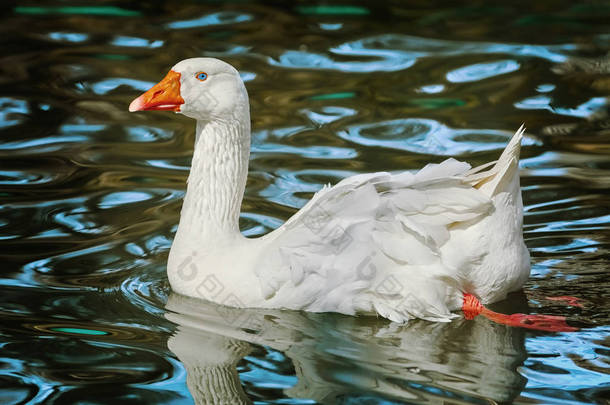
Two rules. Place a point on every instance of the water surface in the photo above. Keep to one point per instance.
(91, 195)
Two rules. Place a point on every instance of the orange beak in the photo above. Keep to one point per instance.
(164, 95)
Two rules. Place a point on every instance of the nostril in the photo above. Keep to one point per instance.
(158, 92)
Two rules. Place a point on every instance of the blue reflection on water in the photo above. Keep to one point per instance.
(328, 114)
(50, 233)
(247, 76)
(79, 220)
(68, 36)
(431, 89)
(577, 245)
(287, 187)
(437, 47)
(310, 152)
(147, 134)
(11, 110)
(277, 133)
(331, 26)
(136, 42)
(78, 128)
(15, 177)
(542, 269)
(388, 61)
(166, 164)
(123, 197)
(265, 223)
(56, 141)
(220, 18)
(562, 359)
(482, 71)
(426, 136)
(543, 102)
(589, 224)
(263, 374)
(394, 52)
(545, 88)
(107, 85)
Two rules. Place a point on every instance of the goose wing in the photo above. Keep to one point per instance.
(371, 237)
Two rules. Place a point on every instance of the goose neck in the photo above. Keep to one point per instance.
(217, 179)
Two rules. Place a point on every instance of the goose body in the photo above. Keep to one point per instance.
(400, 245)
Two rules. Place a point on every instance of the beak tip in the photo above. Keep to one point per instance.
(136, 105)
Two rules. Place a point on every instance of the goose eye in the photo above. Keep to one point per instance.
(201, 76)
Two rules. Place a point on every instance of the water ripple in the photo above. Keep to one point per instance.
(68, 36)
(426, 136)
(107, 85)
(311, 152)
(52, 143)
(543, 102)
(328, 114)
(135, 42)
(18, 177)
(220, 18)
(437, 47)
(12, 111)
(394, 52)
(482, 71)
(387, 61)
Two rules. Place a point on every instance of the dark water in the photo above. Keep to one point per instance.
(90, 195)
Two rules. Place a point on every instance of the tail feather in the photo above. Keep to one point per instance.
(499, 177)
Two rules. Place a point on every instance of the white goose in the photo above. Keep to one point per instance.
(398, 245)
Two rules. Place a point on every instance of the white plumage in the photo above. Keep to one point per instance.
(399, 245)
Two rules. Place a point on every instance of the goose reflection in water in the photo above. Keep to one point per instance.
(336, 357)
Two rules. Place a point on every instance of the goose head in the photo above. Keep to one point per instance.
(201, 88)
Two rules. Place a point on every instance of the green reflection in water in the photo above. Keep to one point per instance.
(333, 10)
(112, 56)
(334, 96)
(80, 331)
(96, 10)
